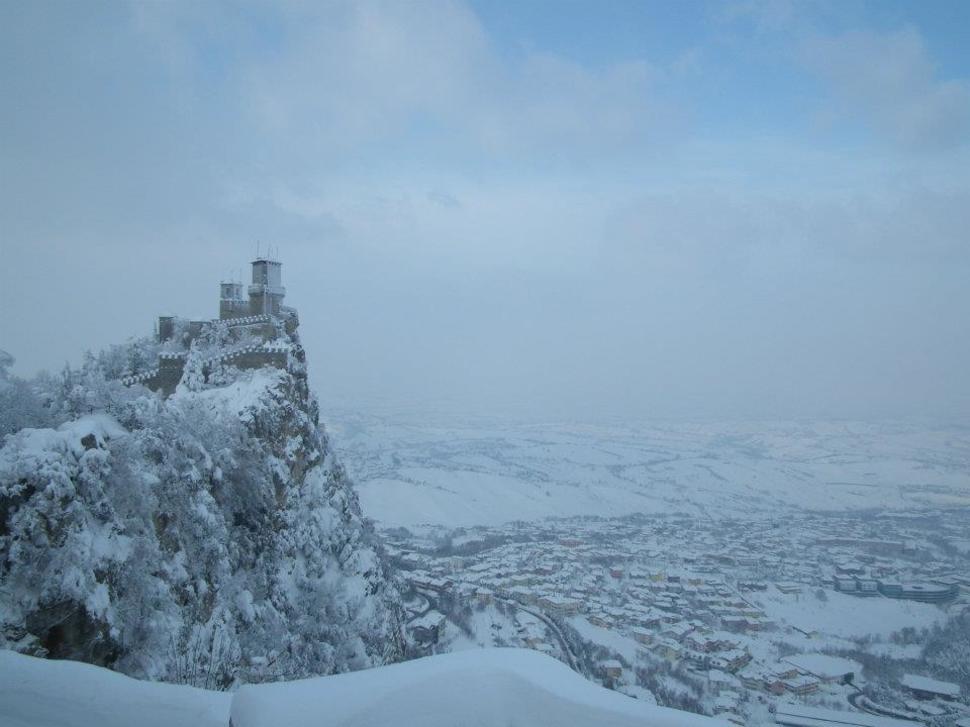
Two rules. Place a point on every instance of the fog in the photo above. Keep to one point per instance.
(742, 210)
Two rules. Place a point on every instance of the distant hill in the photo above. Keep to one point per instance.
(413, 467)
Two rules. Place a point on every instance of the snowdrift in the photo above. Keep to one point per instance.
(46, 693)
(478, 688)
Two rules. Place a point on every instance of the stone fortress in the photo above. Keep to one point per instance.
(257, 329)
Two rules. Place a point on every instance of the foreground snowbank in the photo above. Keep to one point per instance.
(477, 688)
(46, 693)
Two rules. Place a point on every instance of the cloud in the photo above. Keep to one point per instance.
(767, 16)
(888, 81)
(729, 230)
(460, 219)
(444, 199)
(361, 78)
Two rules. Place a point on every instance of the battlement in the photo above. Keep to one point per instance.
(249, 320)
(262, 315)
(263, 306)
(171, 367)
(139, 378)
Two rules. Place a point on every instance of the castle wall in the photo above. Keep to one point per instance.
(258, 359)
(264, 326)
(229, 309)
(171, 366)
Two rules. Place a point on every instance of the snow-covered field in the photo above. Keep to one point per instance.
(476, 688)
(411, 469)
(846, 616)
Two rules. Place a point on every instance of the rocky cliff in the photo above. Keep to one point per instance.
(207, 538)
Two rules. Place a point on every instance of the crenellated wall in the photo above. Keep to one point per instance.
(261, 316)
(171, 365)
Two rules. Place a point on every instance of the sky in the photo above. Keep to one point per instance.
(557, 209)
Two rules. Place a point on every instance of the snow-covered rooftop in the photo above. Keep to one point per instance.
(933, 686)
(823, 665)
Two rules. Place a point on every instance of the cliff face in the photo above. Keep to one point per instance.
(206, 538)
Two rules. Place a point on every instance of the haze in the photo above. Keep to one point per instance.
(753, 209)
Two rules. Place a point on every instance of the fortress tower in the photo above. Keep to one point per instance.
(232, 304)
(265, 300)
(266, 291)
(257, 332)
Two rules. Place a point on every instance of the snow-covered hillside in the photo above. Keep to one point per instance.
(204, 538)
(478, 688)
(413, 468)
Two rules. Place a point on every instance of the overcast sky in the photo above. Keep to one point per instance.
(748, 209)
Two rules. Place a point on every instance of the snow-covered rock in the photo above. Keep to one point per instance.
(201, 539)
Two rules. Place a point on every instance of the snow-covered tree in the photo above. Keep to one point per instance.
(201, 539)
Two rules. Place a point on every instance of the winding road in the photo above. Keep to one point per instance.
(552, 626)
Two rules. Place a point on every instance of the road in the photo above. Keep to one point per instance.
(552, 626)
(431, 595)
(856, 697)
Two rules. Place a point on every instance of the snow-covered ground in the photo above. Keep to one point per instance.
(412, 469)
(613, 640)
(846, 616)
(476, 688)
(47, 693)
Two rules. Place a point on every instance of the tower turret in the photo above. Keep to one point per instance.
(266, 291)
